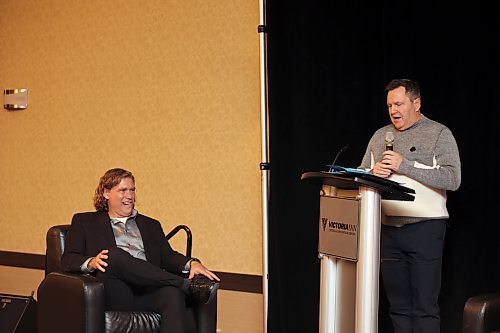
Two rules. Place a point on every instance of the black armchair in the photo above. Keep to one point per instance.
(482, 314)
(75, 302)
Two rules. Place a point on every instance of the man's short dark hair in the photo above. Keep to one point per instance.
(412, 87)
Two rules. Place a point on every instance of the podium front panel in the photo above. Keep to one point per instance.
(339, 227)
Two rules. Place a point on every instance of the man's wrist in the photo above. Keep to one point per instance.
(85, 268)
(187, 267)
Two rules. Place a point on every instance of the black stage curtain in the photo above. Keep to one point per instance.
(328, 63)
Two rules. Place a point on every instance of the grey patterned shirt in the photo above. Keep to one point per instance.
(128, 236)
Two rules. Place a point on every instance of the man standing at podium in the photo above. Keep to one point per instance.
(423, 155)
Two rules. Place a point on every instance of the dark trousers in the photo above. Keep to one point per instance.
(133, 284)
(411, 261)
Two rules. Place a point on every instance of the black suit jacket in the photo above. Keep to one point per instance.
(91, 232)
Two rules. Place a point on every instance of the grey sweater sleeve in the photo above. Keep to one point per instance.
(448, 174)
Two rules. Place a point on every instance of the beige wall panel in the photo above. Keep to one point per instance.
(166, 89)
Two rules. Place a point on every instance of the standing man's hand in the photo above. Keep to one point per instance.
(392, 160)
(390, 163)
(98, 261)
(381, 170)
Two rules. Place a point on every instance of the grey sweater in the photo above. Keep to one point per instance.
(431, 164)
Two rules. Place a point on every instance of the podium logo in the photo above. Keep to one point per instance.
(335, 226)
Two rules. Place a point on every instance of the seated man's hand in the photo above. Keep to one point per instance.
(98, 261)
(198, 268)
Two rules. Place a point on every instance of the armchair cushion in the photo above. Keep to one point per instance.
(132, 322)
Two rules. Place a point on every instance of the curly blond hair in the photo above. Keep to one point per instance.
(110, 179)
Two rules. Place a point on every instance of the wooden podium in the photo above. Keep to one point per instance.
(349, 246)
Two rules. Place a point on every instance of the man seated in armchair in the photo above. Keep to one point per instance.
(128, 252)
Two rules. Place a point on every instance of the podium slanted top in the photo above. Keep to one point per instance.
(351, 179)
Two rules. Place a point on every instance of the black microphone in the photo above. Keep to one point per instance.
(389, 141)
(337, 156)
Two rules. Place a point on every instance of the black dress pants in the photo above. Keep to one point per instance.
(411, 261)
(133, 284)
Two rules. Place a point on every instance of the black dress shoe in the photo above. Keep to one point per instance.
(202, 289)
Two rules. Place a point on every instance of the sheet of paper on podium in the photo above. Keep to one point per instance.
(341, 169)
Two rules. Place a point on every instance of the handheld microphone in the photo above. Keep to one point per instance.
(344, 148)
(389, 141)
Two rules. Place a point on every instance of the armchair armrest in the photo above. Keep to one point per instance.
(206, 316)
(71, 303)
(482, 314)
(189, 237)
